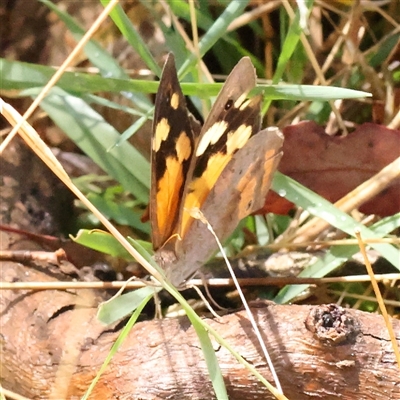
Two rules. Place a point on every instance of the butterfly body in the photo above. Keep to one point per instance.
(224, 169)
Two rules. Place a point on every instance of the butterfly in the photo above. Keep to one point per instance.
(223, 168)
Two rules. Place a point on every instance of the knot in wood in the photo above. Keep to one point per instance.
(332, 325)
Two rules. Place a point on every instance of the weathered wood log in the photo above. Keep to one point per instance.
(53, 345)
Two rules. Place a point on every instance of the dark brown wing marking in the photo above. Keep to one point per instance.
(172, 148)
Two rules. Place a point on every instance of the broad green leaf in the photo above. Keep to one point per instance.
(119, 213)
(101, 241)
(121, 306)
(106, 243)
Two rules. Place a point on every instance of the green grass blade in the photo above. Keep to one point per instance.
(101, 101)
(202, 330)
(132, 129)
(215, 32)
(181, 9)
(124, 333)
(337, 255)
(125, 26)
(227, 58)
(387, 224)
(289, 46)
(213, 367)
(96, 54)
(308, 92)
(94, 136)
(17, 76)
(319, 207)
(291, 41)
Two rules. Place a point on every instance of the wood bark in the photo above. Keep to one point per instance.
(52, 346)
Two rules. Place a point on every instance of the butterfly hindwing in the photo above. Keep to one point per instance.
(173, 145)
(239, 191)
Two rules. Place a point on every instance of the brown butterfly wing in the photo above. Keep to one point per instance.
(233, 119)
(239, 191)
(226, 172)
(173, 145)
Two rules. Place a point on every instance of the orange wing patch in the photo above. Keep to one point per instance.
(215, 149)
(169, 186)
(172, 149)
(199, 188)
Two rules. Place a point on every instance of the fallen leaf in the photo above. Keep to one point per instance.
(334, 166)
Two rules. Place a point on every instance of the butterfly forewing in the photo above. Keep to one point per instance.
(232, 121)
(172, 149)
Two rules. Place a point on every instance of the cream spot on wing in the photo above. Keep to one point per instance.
(211, 136)
(162, 131)
(175, 101)
(183, 147)
(244, 105)
(240, 100)
(237, 139)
